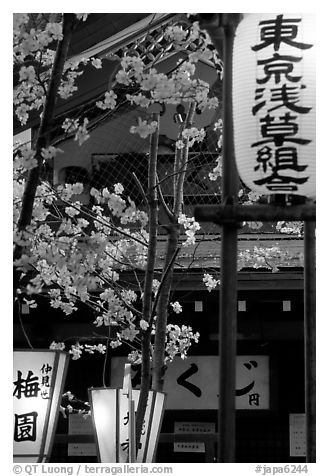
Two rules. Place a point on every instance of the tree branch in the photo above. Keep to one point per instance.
(32, 181)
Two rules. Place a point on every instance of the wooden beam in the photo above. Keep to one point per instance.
(310, 340)
(222, 214)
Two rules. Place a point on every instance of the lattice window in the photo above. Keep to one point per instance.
(153, 46)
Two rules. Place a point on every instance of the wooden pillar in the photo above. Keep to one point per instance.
(310, 339)
(227, 215)
(228, 288)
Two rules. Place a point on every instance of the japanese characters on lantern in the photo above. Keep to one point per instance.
(110, 411)
(37, 389)
(274, 103)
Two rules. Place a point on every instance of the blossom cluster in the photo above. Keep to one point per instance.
(210, 282)
(190, 227)
(217, 170)
(70, 265)
(67, 260)
(81, 134)
(190, 136)
(29, 93)
(290, 228)
(175, 33)
(24, 159)
(179, 340)
(177, 308)
(271, 257)
(77, 348)
(68, 83)
(161, 88)
(28, 42)
(144, 128)
(109, 101)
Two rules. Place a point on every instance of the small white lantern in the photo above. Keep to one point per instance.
(110, 412)
(274, 102)
(39, 377)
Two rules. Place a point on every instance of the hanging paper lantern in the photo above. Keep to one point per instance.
(274, 103)
(110, 412)
(39, 376)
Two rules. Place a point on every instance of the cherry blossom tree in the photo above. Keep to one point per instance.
(75, 254)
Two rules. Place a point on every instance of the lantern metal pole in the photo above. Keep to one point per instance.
(310, 339)
(228, 292)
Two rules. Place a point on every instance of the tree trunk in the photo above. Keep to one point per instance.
(162, 310)
(148, 283)
(181, 160)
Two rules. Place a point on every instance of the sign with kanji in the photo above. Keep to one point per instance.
(37, 390)
(274, 103)
(196, 427)
(192, 384)
(189, 447)
(297, 434)
(110, 411)
(81, 425)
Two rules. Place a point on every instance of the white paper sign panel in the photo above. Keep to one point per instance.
(297, 434)
(193, 383)
(36, 384)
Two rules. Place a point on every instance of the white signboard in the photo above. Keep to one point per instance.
(202, 427)
(192, 384)
(297, 434)
(189, 447)
(37, 391)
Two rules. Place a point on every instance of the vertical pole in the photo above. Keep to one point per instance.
(132, 430)
(127, 391)
(228, 292)
(310, 339)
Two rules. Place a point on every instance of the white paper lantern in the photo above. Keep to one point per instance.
(110, 412)
(274, 103)
(39, 376)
